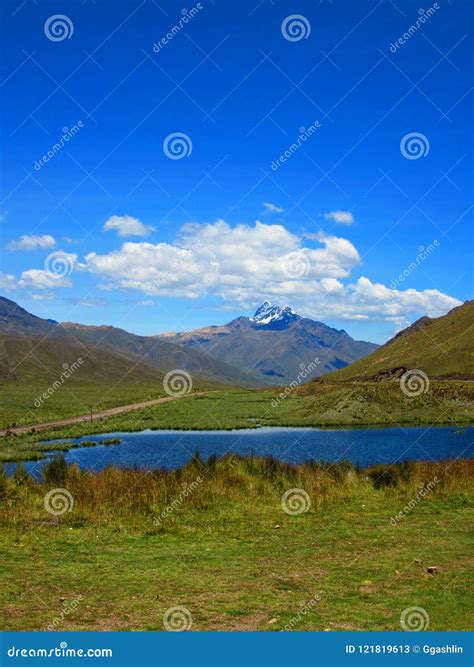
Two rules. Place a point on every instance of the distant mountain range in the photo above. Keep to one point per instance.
(50, 343)
(441, 347)
(270, 348)
(276, 344)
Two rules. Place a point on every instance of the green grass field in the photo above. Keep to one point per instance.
(135, 545)
(317, 404)
(18, 400)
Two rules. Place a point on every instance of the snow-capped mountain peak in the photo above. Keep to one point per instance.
(267, 314)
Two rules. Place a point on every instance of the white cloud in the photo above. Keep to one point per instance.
(272, 208)
(126, 225)
(88, 302)
(245, 264)
(7, 281)
(340, 217)
(41, 279)
(45, 296)
(32, 242)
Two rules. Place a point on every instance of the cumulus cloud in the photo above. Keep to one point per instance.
(340, 217)
(272, 208)
(41, 279)
(126, 225)
(245, 264)
(32, 242)
(7, 281)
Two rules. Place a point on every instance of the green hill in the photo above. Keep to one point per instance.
(442, 347)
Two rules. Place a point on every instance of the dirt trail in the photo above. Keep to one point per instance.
(97, 415)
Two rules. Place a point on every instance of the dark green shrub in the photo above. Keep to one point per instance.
(55, 471)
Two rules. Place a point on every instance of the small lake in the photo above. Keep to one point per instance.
(171, 449)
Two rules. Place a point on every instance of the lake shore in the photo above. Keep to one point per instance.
(325, 405)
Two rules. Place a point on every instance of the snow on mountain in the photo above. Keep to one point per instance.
(268, 314)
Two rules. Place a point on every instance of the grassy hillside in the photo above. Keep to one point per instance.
(229, 553)
(161, 354)
(107, 342)
(441, 347)
(31, 367)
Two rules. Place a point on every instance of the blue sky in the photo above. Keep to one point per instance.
(345, 215)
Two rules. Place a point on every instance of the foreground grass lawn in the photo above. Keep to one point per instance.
(231, 555)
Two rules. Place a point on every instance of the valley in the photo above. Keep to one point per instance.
(361, 556)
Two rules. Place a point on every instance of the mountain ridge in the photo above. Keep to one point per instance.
(162, 356)
(275, 343)
(440, 347)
